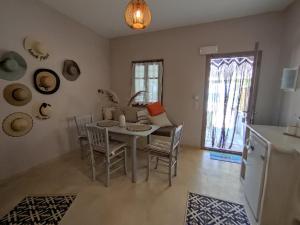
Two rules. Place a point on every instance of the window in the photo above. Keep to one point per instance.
(147, 76)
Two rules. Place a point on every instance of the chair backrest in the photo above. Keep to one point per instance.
(98, 138)
(81, 122)
(176, 137)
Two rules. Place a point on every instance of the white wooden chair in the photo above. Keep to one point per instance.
(113, 151)
(166, 151)
(81, 122)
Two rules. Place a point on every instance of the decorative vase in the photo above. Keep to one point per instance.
(122, 121)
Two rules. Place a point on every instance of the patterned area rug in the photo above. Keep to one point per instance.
(203, 210)
(38, 210)
(225, 157)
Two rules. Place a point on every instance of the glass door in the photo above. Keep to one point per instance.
(228, 101)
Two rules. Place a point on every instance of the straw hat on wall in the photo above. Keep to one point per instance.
(71, 70)
(36, 48)
(17, 124)
(12, 66)
(46, 81)
(17, 94)
(44, 111)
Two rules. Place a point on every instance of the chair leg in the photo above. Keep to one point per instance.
(176, 161)
(175, 169)
(81, 148)
(170, 173)
(107, 173)
(156, 165)
(92, 159)
(148, 167)
(125, 161)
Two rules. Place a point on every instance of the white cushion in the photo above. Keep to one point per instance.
(107, 113)
(160, 120)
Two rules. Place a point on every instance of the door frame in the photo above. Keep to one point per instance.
(252, 100)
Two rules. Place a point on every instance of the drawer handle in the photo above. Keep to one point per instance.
(262, 157)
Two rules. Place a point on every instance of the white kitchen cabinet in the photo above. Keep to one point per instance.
(255, 174)
(271, 175)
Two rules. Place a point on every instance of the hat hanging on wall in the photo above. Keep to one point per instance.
(12, 66)
(17, 124)
(46, 81)
(71, 70)
(45, 111)
(17, 94)
(36, 48)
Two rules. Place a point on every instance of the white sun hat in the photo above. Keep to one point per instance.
(36, 48)
(44, 111)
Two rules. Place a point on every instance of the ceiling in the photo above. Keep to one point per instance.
(106, 16)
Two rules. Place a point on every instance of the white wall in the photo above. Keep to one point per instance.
(184, 70)
(96, 56)
(291, 58)
(65, 40)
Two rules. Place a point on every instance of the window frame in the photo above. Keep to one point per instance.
(133, 78)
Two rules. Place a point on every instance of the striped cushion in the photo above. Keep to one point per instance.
(113, 147)
(142, 116)
(159, 147)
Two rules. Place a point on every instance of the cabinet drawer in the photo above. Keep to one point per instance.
(258, 146)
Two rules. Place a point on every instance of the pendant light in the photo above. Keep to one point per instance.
(137, 14)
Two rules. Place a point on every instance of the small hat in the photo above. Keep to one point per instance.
(17, 124)
(12, 66)
(17, 94)
(45, 111)
(36, 48)
(71, 70)
(46, 81)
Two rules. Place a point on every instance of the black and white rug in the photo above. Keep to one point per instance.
(38, 210)
(203, 210)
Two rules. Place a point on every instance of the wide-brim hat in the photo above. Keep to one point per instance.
(17, 94)
(46, 81)
(71, 70)
(17, 124)
(36, 48)
(12, 66)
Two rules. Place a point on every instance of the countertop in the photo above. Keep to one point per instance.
(274, 135)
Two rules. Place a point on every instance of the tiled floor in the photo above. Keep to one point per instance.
(124, 203)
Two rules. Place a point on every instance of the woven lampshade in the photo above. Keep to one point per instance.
(137, 14)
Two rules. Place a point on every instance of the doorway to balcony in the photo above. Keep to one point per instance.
(229, 100)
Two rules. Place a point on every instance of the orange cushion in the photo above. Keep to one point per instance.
(155, 109)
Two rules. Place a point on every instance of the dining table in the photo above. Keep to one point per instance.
(133, 135)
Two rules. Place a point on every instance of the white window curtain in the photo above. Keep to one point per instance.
(147, 76)
(230, 82)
